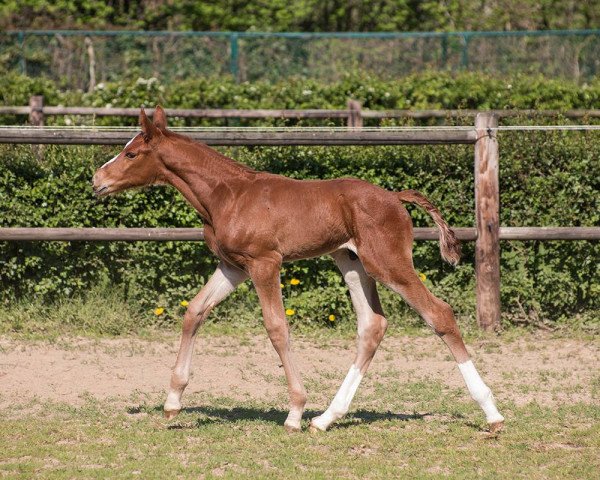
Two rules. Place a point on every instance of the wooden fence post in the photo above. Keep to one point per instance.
(92, 65)
(354, 117)
(36, 110)
(487, 215)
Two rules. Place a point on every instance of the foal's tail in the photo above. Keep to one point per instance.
(449, 244)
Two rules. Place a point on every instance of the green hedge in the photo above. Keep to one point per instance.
(422, 91)
(547, 179)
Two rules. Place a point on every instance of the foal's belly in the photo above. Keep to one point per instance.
(308, 241)
(300, 254)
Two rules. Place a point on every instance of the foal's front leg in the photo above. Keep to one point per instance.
(224, 281)
(266, 279)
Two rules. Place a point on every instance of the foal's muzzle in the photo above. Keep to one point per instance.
(99, 187)
(101, 191)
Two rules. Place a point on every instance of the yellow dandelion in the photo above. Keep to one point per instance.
(332, 318)
(184, 303)
(281, 285)
(294, 281)
(289, 312)
(159, 311)
(422, 277)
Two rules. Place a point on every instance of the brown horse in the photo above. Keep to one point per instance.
(254, 221)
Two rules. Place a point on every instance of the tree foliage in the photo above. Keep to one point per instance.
(301, 15)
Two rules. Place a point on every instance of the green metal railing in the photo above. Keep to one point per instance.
(62, 54)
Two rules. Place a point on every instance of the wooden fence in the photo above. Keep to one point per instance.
(354, 114)
(226, 136)
(468, 234)
(487, 232)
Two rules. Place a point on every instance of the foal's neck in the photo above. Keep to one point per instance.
(198, 171)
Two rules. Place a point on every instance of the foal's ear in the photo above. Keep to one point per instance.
(160, 118)
(148, 129)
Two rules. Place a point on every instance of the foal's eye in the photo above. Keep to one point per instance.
(130, 155)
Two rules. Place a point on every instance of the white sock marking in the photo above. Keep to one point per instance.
(294, 418)
(342, 400)
(480, 392)
(173, 402)
(361, 289)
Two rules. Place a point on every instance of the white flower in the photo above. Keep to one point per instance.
(306, 92)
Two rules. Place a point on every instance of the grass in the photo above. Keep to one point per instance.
(439, 436)
(410, 429)
(103, 312)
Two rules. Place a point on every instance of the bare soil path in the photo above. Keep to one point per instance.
(549, 371)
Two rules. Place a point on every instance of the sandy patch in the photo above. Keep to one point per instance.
(548, 371)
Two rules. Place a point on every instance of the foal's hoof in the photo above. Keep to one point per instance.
(171, 414)
(496, 427)
(314, 428)
(291, 428)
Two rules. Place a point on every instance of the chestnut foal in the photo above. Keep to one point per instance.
(254, 221)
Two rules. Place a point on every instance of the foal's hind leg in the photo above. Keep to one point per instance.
(401, 277)
(371, 328)
(224, 281)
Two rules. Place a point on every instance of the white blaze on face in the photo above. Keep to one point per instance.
(117, 156)
(110, 161)
(129, 142)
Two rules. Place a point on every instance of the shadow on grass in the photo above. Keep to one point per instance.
(213, 415)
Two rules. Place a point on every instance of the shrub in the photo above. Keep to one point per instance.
(547, 179)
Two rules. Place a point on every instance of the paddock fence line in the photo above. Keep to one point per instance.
(354, 115)
(91, 234)
(487, 233)
(237, 136)
(83, 58)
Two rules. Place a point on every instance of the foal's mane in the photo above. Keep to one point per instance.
(208, 150)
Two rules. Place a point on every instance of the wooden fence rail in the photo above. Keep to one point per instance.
(487, 232)
(180, 112)
(244, 136)
(353, 113)
(86, 234)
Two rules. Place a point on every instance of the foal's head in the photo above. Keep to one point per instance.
(139, 163)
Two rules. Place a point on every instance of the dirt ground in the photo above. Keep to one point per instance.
(534, 368)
